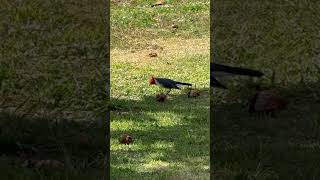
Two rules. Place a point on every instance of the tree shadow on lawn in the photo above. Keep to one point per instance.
(25, 143)
(161, 152)
(286, 146)
(182, 144)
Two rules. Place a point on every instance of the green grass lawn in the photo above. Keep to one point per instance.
(273, 36)
(52, 89)
(171, 139)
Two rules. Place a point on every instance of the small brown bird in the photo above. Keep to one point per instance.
(267, 101)
(161, 97)
(125, 139)
(193, 93)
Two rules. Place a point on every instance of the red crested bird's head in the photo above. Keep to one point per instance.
(152, 80)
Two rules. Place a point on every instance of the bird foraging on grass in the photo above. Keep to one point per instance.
(266, 101)
(125, 139)
(193, 93)
(161, 97)
(167, 83)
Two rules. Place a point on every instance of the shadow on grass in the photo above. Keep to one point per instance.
(161, 148)
(25, 143)
(246, 147)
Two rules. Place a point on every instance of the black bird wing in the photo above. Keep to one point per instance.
(170, 84)
(221, 70)
(182, 83)
(167, 83)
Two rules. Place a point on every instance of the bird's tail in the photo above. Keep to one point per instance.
(236, 70)
(247, 72)
(182, 83)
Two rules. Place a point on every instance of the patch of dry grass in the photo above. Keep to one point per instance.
(165, 48)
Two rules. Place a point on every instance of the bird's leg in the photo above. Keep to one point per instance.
(189, 92)
(168, 92)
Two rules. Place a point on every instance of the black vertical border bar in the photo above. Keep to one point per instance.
(212, 40)
(106, 168)
(211, 108)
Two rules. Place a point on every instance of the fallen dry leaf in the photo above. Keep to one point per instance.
(174, 26)
(158, 3)
(153, 54)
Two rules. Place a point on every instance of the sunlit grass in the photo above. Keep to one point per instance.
(171, 139)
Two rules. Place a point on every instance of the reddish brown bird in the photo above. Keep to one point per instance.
(125, 139)
(161, 97)
(193, 93)
(267, 101)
